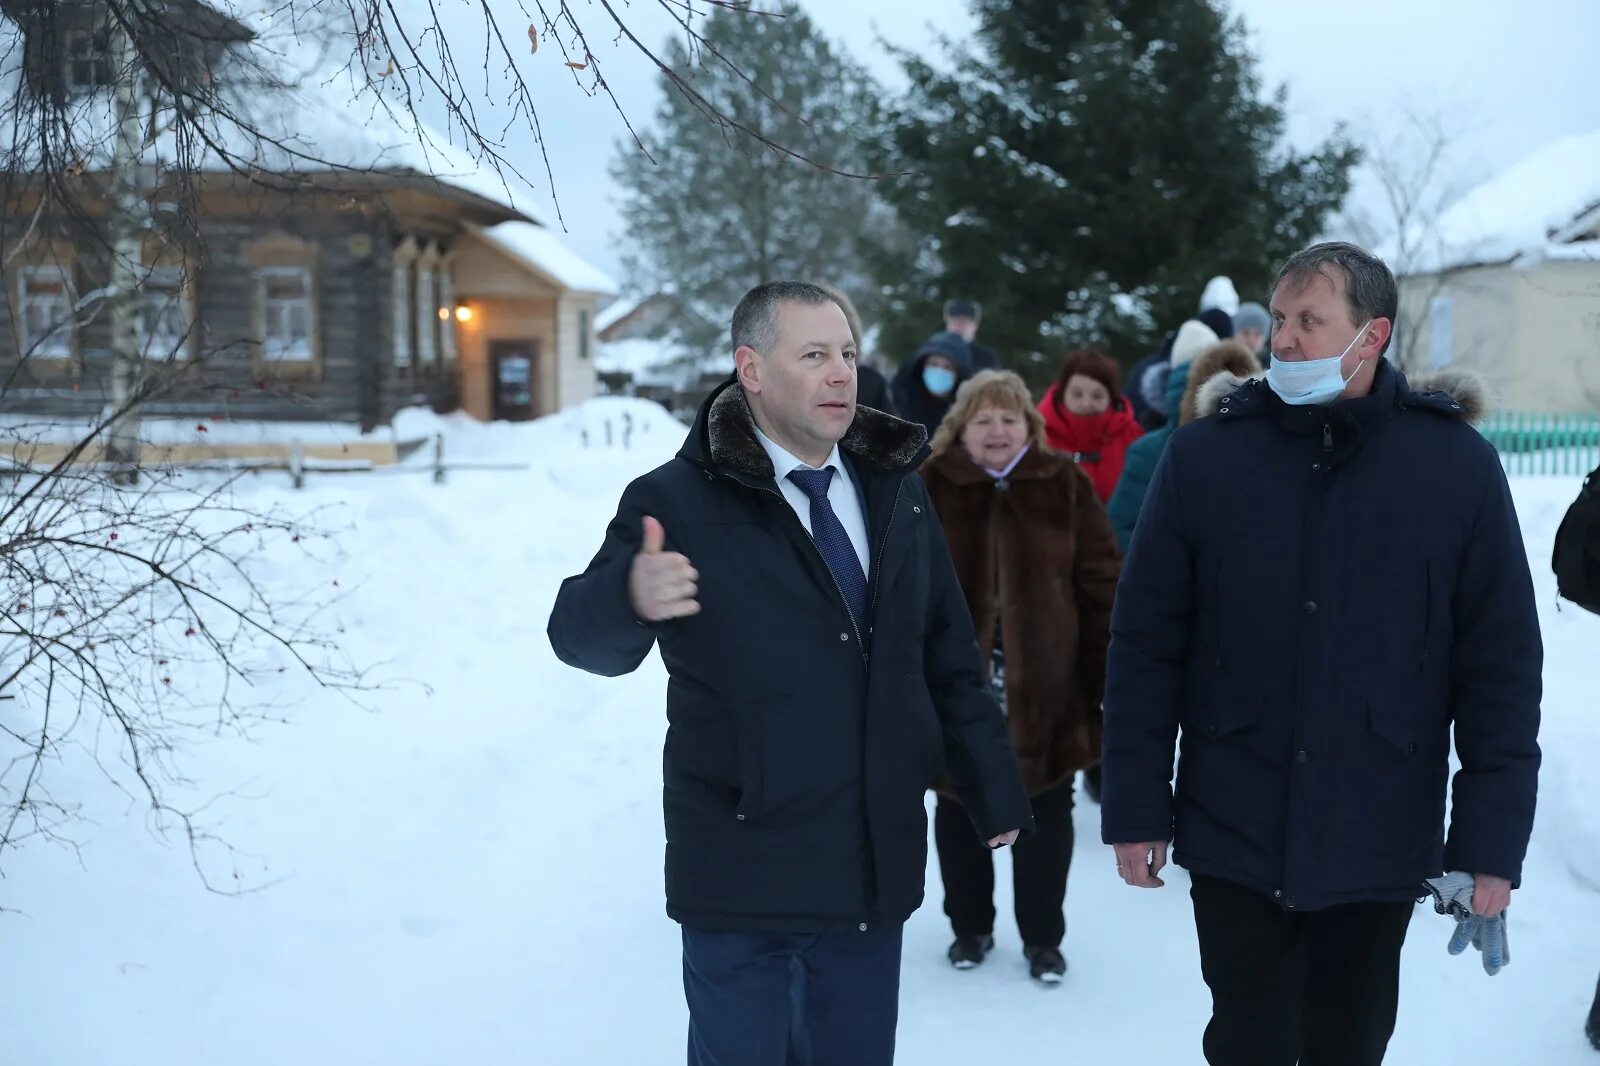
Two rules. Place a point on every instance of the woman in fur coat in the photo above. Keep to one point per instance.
(1038, 564)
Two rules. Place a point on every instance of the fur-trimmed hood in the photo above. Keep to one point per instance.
(724, 437)
(1465, 387)
(1229, 362)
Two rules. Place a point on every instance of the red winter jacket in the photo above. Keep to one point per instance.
(1099, 443)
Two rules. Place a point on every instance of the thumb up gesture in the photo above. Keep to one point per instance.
(661, 584)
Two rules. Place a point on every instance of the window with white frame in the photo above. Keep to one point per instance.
(427, 313)
(402, 313)
(285, 301)
(447, 313)
(167, 322)
(45, 297)
(88, 61)
(1440, 332)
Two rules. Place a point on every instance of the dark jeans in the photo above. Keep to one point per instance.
(1318, 989)
(1039, 865)
(742, 997)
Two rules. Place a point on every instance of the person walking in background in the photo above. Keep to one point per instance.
(1251, 327)
(963, 317)
(1192, 338)
(1038, 566)
(1086, 416)
(1327, 577)
(925, 385)
(872, 388)
(823, 672)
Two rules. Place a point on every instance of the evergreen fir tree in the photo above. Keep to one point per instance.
(714, 211)
(1082, 169)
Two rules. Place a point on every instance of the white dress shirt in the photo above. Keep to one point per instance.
(841, 494)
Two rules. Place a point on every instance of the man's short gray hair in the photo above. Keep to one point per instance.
(755, 320)
(1369, 285)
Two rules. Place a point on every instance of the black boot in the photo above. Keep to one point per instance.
(1592, 1028)
(970, 951)
(1045, 965)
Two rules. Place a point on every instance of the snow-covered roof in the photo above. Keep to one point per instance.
(543, 251)
(323, 120)
(648, 361)
(616, 311)
(1520, 213)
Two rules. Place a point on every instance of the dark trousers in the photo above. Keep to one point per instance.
(1039, 865)
(1318, 989)
(743, 999)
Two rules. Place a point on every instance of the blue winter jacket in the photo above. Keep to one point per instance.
(1314, 598)
(1140, 464)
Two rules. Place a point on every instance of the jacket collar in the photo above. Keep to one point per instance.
(1352, 422)
(724, 439)
(957, 467)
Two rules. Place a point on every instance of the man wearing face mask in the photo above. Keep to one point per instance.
(925, 386)
(1326, 578)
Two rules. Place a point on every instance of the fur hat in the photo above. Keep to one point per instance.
(1193, 338)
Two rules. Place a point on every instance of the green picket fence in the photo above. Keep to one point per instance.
(1535, 443)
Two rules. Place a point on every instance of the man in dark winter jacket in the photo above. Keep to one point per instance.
(925, 385)
(1326, 577)
(963, 317)
(823, 672)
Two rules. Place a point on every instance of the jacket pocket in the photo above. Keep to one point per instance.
(1407, 727)
(924, 734)
(751, 768)
(1223, 714)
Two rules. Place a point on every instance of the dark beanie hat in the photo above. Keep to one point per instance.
(1220, 321)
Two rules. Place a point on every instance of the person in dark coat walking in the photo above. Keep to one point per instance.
(1139, 461)
(1327, 577)
(1038, 564)
(925, 385)
(963, 317)
(823, 673)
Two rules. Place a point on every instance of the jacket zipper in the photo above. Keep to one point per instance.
(1427, 617)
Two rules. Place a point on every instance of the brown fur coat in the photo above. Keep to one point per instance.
(1038, 547)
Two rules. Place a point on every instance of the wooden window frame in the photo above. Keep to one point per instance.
(277, 255)
(428, 356)
(68, 326)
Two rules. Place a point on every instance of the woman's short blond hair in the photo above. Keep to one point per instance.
(988, 388)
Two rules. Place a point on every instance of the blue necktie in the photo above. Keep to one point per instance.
(834, 543)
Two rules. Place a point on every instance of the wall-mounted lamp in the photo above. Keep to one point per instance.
(463, 313)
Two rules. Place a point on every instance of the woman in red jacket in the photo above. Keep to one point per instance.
(1086, 417)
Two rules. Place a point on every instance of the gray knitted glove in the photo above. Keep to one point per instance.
(1452, 895)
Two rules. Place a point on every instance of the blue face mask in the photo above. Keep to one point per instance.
(1305, 382)
(939, 380)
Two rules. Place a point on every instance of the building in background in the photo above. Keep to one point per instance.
(378, 272)
(1509, 284)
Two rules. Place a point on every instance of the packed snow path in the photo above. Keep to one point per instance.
(474, 876)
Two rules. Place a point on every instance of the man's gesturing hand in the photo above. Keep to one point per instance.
(1138, 864)
(661, 584)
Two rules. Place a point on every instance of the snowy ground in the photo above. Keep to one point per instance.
(472, 873)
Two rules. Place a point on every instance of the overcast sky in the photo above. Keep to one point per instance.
(1513, 76)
